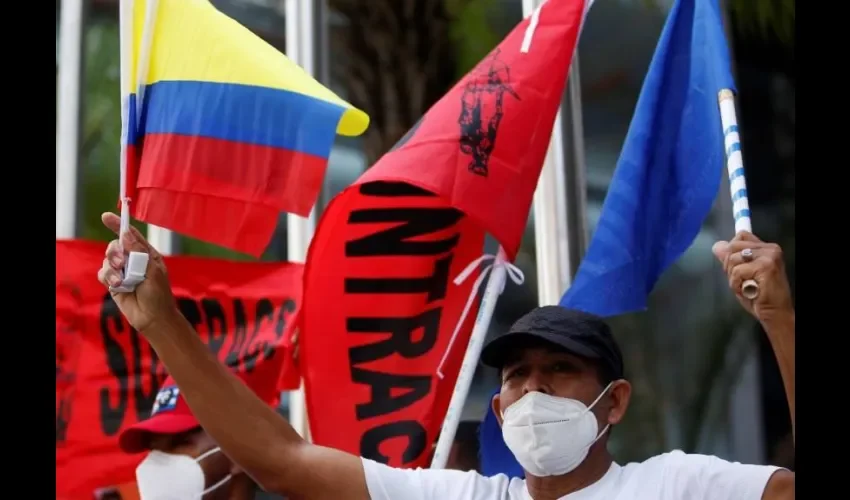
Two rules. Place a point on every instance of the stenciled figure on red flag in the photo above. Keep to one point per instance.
(478, 131)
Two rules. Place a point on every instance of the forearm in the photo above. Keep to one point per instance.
(781, 332)
(248, 431)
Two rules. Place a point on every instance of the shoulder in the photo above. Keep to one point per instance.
(687, 475)
(386, 483)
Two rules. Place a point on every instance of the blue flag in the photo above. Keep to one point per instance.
(669, 170)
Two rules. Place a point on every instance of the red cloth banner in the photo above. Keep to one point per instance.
(107, 376)
(379, 310)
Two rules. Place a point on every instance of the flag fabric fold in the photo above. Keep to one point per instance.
(486, 139)
(232, 133)
(669, 170)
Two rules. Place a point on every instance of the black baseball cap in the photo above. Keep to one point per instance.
(576, 332)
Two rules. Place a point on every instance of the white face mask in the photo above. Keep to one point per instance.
(164, 476)
(548, 435)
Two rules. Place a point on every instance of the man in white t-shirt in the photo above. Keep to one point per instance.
(562, 390)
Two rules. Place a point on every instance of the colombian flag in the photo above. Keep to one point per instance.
(231, 132)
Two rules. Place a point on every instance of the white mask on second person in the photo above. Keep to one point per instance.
(548, 435)
(165, 476)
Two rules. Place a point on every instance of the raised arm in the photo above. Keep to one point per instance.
(747, 257)
(248, 431)
(773, 307)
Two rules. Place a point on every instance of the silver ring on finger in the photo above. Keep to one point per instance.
(747, 254)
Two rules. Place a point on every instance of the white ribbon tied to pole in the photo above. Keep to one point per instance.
(499, 270)
(513, 272)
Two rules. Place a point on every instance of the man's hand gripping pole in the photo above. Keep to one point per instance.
(137, 262)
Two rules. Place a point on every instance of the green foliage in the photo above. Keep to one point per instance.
(191, 246)
(765, 18)
(471, 31)
(101, 128)
(757, 18)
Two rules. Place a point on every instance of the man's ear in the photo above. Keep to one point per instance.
(620, 394)
(496, 404)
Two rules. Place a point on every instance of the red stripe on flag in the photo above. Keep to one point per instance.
(224, 192)
(132, 171)
(233, 224)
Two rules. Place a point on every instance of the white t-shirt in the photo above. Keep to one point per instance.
(671, 476)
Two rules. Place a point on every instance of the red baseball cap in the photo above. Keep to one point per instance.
(171, 415)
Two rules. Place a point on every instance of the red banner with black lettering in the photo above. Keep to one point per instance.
(379, 310)
(107, 375)
(380, 305)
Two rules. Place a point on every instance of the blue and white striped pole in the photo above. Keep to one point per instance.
(737, 180)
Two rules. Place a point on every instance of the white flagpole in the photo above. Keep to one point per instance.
(125, 36)
(304, 18)
(68, 116)
(501, 269)
(550, 223)
(137, 262)
(162, 239)
(559, 201)
(737, 181)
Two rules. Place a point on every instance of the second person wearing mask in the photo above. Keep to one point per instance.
(183, 461)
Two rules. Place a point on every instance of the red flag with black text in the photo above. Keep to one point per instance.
(380, 304)
(107, 376)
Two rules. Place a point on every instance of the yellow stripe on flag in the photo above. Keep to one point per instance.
(193, 41)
